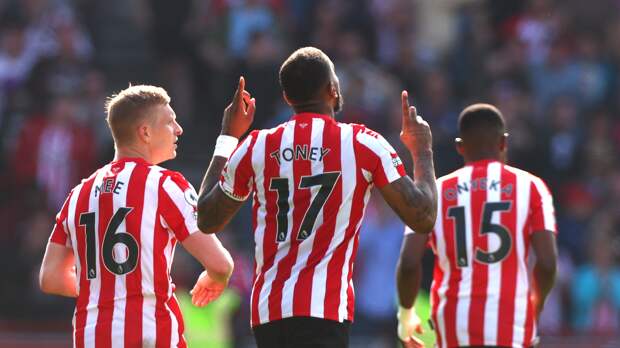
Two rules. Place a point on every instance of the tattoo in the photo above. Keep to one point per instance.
(215, 209)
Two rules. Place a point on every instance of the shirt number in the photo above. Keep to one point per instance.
(326, 181)
(505, 239)
(110, 239)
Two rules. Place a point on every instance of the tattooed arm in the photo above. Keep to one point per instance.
(215, 208)
(415, 201)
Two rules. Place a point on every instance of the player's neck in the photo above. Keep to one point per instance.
(315, 108)
(470, 158)
(131, 152)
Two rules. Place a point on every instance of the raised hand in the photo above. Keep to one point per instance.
(239, 114)
(206, 290)
(415, 133)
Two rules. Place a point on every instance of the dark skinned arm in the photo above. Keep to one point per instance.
(545, 269)
(215, 208)
(409, 268)
(415, 201)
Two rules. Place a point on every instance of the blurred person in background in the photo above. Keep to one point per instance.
(375, 290)
(54, 151)
(595, 289)
(115, 235)
(311, 178)
(489, 215)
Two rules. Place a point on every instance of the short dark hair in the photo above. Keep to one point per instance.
(481, 118)
(304, 73)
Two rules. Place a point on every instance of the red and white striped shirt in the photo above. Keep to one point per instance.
(310, 179)
(480, 294)
(123, 223)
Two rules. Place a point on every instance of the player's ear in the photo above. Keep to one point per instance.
(503, 142)
(144, 132)
(286, 99)
(458, 144)
(332, 89)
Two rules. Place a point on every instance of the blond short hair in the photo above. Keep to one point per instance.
(129, 106)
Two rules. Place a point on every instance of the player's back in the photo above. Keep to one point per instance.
(310, 179)
(480, 292)
(123, 223)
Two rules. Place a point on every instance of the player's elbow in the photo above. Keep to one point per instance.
(223, 268)
(547, 264)
(423, 222)
(206, 223)
(47, 282)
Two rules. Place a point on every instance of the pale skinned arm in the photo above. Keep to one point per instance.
(57, 275)
(218, 265)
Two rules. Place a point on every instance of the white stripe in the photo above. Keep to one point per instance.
(380, 147)
(305, 247)
(174, 324)
(444, 264)
(319, 279)
(258, 165)
(95, 284)
(345, 283)
(349, 184)
(522, 281)
(494, 283)
(462, 306)
(286, 170)
(228, 184)
(71, 228)
(120, 288)
(147, 235)
(546, 203)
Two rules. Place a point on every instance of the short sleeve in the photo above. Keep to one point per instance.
(238, 176)
(542, 212)
(379, 161)
(178, 201)
(60, 232)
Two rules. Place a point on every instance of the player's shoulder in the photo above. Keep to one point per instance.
(530, 177)
(174, 176)
(450, 176)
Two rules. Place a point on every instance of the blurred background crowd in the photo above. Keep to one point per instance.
(551, 66)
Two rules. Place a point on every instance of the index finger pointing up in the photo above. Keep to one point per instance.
(239, 92)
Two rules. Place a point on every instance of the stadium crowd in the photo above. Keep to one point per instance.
(552, 67)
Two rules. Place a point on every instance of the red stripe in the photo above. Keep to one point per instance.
(437, 280)
(244, 170)
(173, 304)
(133, 280)
(350, 292)
(59, 235)
(272, 169)
(480, 271)
(301, 202)
(163, 323)
(537, 219)
(336, 263)
(325, 233)
(508, 287)
(80, 231)
(449, 234)
(173, 216)
(103, 331)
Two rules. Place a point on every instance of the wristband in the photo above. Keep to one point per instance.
(225, 145)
